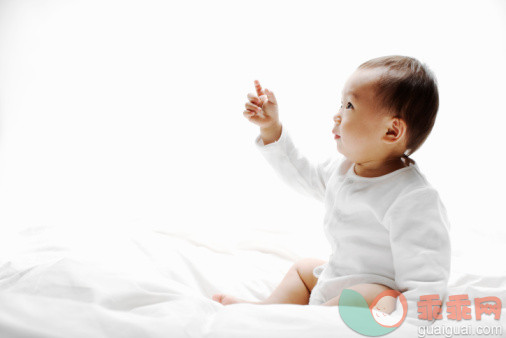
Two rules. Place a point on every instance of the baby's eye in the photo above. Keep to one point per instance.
(348, 106)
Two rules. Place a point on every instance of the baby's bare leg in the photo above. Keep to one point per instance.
(295, 288)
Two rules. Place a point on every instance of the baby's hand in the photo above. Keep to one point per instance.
(262, 110)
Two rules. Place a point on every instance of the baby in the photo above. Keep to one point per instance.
(387, 226)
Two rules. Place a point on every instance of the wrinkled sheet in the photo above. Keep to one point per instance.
(57, 282)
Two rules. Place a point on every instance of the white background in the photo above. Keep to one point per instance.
(129, 113)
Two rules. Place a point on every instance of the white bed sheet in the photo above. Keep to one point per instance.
(57, 282)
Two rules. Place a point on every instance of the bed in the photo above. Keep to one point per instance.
(67, 282)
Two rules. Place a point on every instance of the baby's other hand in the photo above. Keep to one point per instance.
(262, 110)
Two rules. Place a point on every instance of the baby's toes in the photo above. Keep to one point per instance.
(218, 297)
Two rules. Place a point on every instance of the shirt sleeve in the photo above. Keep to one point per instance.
(295, 169)
(421, 249)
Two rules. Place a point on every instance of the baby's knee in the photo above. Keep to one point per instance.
(305, 267)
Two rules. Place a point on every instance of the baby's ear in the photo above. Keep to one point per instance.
(396, 130)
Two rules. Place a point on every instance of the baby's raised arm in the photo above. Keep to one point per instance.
(277, 147)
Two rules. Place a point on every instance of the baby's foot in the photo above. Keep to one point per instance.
(227, 299)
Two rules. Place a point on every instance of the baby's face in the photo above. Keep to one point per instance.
(360, 122)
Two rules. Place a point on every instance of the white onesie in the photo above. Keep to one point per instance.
(392, 229)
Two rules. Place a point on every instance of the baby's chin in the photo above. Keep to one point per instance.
(340, 151)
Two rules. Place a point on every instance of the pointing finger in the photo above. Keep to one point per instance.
(259, 89)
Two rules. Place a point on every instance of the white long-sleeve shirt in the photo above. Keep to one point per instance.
(393, 226)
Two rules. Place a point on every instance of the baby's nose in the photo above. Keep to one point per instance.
(337, 119)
